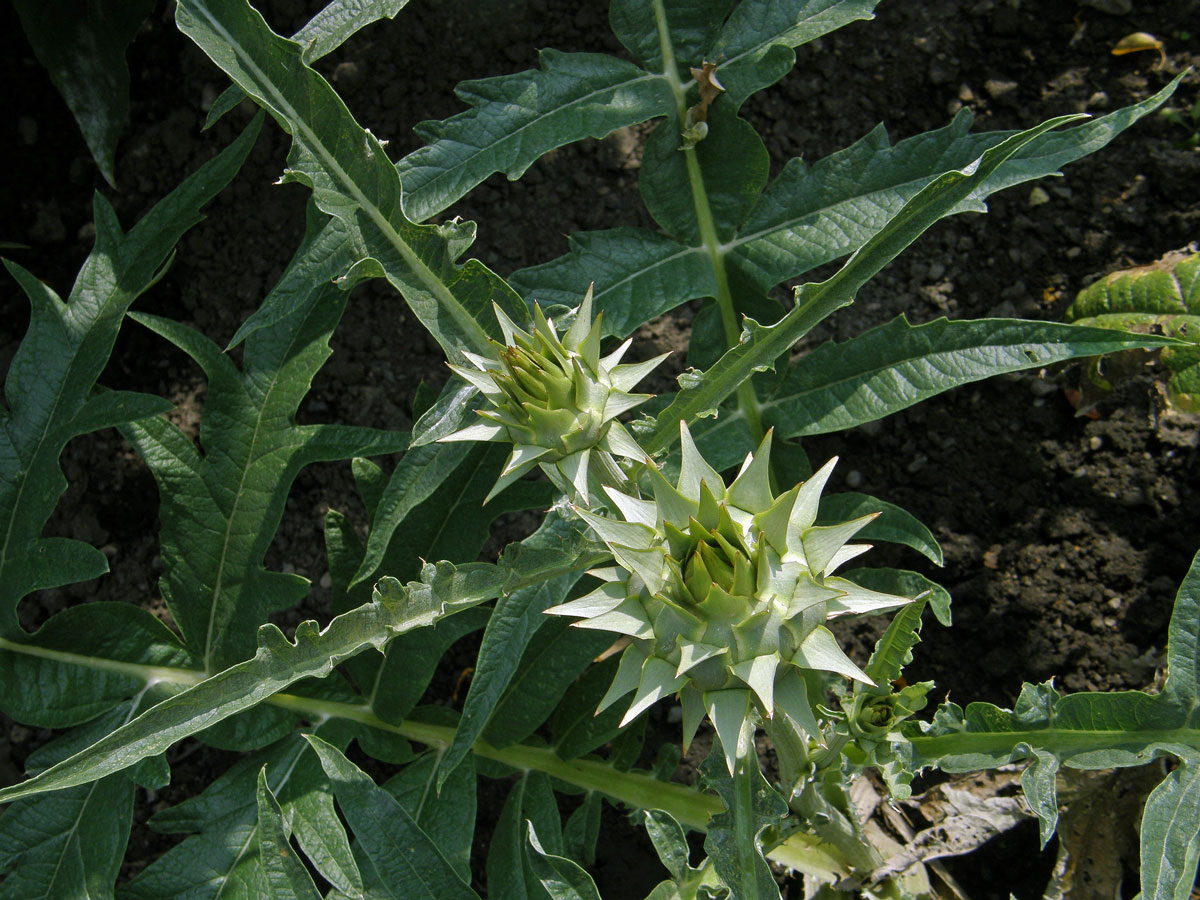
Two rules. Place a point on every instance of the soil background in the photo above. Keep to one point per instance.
(1065, 536)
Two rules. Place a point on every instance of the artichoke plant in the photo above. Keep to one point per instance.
(557, 401)
(723, 592)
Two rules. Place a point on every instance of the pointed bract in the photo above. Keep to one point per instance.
(729, 712)
(820, 650)
(629, 673)
(658, 680)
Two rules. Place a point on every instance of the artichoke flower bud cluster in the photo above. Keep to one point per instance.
(556, 400)
(724, 592)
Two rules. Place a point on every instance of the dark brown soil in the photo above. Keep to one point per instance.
(1065, 536)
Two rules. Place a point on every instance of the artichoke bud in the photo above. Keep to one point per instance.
(556, 399)
(724, 592)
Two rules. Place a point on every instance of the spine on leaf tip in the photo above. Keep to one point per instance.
(557, 401)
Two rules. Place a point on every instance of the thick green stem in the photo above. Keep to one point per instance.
(748, 403)
(744, 776)
(834, 827)
(688, 806)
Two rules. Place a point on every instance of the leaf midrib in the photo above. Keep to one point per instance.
(471, 329)
(444, 172)
(254, 829)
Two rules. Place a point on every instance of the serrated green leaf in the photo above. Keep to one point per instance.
(562, 878)
(893, 651)
(1170, 839)
(420, 472)
(514, 621)
(447, 817)
(335, 24)
(893, 524)
(219, 856)
(221, 508)
(638, 274)
(761, 345)
(896, 365)
(407, 862)
(68, 844)
(1084, 730)
(323, 838)
(811, 216)
(353, 180)
(277, 664)
(73, 668)
(552, 660)
(444, 590)
(754, 49)
(81, 44)
(284, 876)
(50, 379)
(514, 119)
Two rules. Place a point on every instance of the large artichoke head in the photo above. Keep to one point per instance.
(555, 399)
(724, 592)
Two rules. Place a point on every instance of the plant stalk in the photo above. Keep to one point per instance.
(748, 402)
(745, 773)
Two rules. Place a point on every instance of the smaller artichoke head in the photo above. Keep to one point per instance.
(555, 399)
(724, 592)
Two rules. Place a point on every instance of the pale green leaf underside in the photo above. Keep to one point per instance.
(1170, 838)
(395, 609)
(1084, 730)
(277, 664)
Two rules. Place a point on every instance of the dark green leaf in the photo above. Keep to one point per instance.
(514, 621)
(50, 379)
(894, 524)
(562, 878)
(408, 863)
(514, 119)
(339, 21)
(896, 365)
(447, 816)
(552, 660)
(638, 274)
(82, 45)
(284, 876)
(353, 180)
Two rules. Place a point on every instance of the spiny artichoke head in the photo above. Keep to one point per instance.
(555, 399)
(724, 591)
